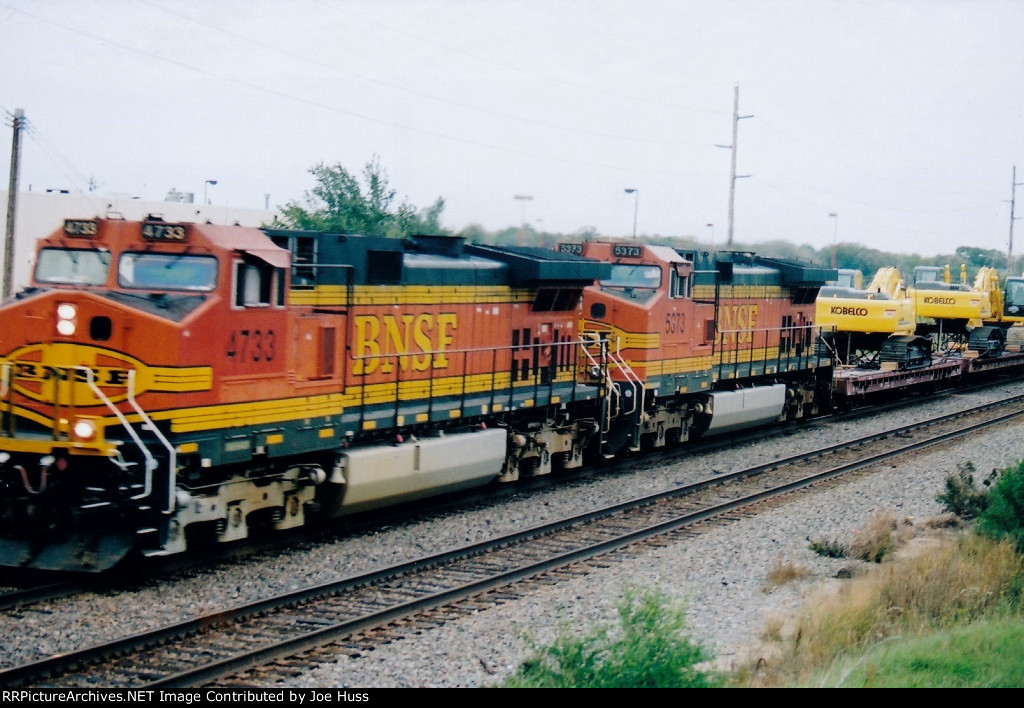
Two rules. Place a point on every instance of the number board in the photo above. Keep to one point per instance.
(80, 228)
(574, 248)
(628, 251)
(163, 232)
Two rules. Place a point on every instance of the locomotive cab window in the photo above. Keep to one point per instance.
(633, 276)
(258, 284)
(305, 251)
(167, 271)
(72, 266)
(681, 283)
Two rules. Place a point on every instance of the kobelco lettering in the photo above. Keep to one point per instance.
(852, 311)
(932, 300)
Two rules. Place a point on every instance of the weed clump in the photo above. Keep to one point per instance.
(829, 547)
(873, 544)
(783, 572)
(648, 651)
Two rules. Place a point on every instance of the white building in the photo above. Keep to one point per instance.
(37, 214)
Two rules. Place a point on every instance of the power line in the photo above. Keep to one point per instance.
(414, 92)
(343, 111)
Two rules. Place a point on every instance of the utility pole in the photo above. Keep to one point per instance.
(736, 118)
(18, 123)
(1013, 198)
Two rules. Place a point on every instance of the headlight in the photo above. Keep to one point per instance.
(84, 430)
(66, 314)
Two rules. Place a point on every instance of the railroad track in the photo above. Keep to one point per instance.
(284, 634)
(22, 597)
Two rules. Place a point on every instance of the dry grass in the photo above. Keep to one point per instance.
(949, 520)
(881, 537)
(782, 572)
(955, 580)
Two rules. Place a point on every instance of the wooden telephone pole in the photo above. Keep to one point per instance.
(18, 123)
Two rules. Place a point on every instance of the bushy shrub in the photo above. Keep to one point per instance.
(1004, 515)
(649, 651)
(962, 496)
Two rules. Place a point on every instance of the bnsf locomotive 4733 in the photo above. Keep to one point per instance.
(168, 385)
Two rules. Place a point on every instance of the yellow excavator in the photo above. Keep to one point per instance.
(953, 314)
(874, 327)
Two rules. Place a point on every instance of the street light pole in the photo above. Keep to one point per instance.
(636, 205)
(522, 199)
(205, 186)
(712, 227)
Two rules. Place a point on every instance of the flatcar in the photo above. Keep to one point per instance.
(888, 339)
(167, 386)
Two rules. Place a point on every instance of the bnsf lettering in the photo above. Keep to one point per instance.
(419, 341)
(741, 317)
(39, 372)
(853, 311)
(932, 300)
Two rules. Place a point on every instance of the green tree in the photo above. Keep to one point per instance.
(339, 202)
(975, 258)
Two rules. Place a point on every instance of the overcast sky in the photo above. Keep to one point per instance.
(904, 118)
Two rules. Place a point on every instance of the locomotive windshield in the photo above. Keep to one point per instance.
(167, 271)
(72, 266)
(633, 276)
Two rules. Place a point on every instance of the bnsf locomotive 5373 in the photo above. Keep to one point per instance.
(167, 385)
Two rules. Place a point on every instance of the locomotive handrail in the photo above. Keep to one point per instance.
(731, 356)
(172, 454)
(631, 377)
(601, 367)
(5, 387)
(90, 379)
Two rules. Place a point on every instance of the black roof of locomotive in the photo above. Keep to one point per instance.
(433, 260)
(530, 265)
